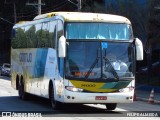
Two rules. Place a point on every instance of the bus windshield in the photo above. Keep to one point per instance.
(99, 60)
(92, 55)
(108, 31)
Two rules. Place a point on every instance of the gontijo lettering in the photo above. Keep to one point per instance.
(25, 57)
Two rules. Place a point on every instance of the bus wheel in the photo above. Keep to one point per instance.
(21, 92)
(111, 106)
(55, 104)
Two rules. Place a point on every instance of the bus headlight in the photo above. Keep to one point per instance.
(73, 89)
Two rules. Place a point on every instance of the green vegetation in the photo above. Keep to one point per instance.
(32, 38)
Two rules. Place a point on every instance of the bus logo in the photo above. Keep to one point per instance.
(25, 57)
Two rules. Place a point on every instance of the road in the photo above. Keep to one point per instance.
(9, 101)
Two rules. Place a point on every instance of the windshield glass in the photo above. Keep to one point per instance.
(99, 60)
(109, 31)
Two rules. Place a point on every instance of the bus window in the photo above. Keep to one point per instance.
(59, 29)
(60, 60)
(38, 34)
(45, 35)
(52, 33)
(108, 31)
(29, 36)
(19, 41)
(14, 38)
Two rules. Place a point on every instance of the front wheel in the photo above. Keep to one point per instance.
(55, 104)
(111, 106)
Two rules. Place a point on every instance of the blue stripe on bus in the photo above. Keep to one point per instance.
(40, 62)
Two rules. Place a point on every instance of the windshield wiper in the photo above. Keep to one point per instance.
(111, 68)
(91, 68)
(93, 65)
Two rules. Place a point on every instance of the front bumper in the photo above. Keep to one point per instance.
(80, 97)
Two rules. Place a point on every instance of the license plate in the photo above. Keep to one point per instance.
(100, 98)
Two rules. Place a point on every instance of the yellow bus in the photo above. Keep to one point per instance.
(75, 57)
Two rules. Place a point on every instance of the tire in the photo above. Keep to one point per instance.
(111, 106)
(17, 84)
(21, 92)
(55, 104)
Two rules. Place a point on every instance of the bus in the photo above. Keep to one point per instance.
(75, 57)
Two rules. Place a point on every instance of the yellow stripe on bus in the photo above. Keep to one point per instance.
(91, 86)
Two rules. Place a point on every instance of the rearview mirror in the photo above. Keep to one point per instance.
(139, 49)
(62, 47)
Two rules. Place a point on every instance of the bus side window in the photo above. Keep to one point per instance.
(45, 35)
(20, 36)
(60, 60)
(38, 34)
(14, 38)
(52, 34)
(30, 36)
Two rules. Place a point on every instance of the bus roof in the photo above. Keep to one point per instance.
(90, 17)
